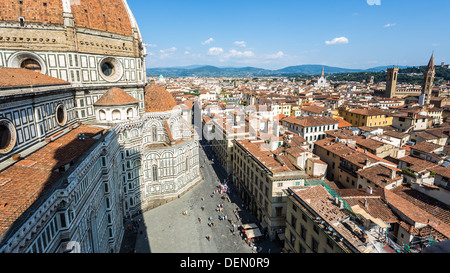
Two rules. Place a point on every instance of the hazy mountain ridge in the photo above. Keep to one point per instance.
(214, 71)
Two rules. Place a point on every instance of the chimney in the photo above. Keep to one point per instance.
(393, 174)
(369, 190)
(367, 162)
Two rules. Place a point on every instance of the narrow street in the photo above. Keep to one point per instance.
(166, 230)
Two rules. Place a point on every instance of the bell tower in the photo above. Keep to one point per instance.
(391, 82)
(428, 81)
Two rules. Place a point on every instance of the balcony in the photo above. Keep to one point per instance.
(348, 170)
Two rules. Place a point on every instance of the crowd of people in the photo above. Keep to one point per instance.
(222, 193)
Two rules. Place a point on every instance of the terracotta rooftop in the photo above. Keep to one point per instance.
(343, 123)
(115, 96)
(310, 120)
(415, 214)
(438, 209)
(371, 203)
(427, 147)
(369, 143)
(318, 199)
(24, 182)
(104, 15)
(21, 77)
(369, 112)
(417, 164)
(380, 175)
(315, 109)
(158, 99)
(350, 153)
(275, 161)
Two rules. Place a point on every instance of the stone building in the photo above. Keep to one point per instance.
(84, 142)
(261, 174)
(160, 153)
(425, 91)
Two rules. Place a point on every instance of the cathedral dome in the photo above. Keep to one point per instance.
(104, 15)
(101, 27)
(158, 99)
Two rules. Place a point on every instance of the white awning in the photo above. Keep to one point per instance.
(249, 226)
(253, 233)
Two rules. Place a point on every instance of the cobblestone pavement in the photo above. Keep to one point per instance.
(166, 230)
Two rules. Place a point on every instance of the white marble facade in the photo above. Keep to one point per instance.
(160, 159)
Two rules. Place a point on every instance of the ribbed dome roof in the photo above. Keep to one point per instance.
(158, 99)
(104, 15)
(115, 96)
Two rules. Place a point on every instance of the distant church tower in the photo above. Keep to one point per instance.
(428, 81)
(322, 82)
(391, 82)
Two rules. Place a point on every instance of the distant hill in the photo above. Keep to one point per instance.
(314, 69)
(411, 75)
(213, 71)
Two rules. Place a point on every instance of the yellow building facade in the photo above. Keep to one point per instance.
(370, 117)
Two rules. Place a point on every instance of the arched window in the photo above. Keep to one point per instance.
(102, 115)
(154, 133)
(130, 113)
(155, 172)
(116, 115)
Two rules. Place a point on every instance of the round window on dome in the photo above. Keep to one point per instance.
(31, 64)
(111, 69)
(8, 136)
(61, 115)
(107, 69)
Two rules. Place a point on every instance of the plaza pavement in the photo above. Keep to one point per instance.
(166, 230)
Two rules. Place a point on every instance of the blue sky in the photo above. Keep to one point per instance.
(274, 34)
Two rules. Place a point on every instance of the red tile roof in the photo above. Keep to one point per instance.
(415, 214)
(115, 96)
(158, 99)
(21, 77)
(24, 182)
(310, 120)
(342, 123)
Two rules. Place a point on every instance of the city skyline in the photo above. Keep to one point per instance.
(356, 34)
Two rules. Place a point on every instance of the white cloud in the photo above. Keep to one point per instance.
(167, 52)
(215, 51)
(207, 42)
(240, 54)
(187, 52)
(339, 40)
(278, 55)
(241, 43)
(151, 45)
(172, 49)
(390, 25)
(374, 2)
